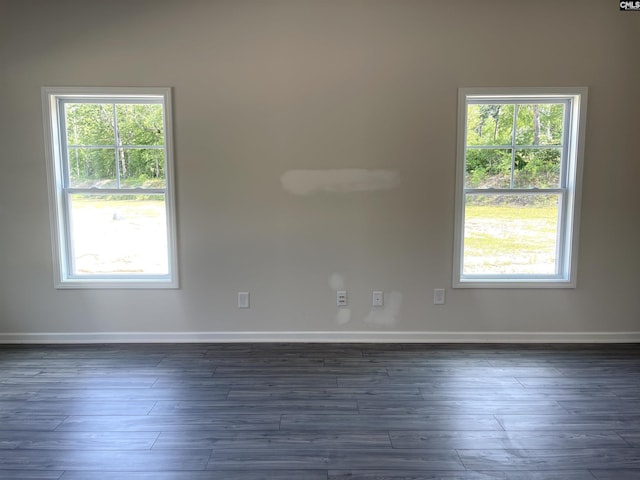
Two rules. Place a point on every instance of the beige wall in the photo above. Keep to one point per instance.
(265, 87)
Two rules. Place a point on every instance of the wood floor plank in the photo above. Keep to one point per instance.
(466, 475)
(616, 474)
(427, 382)
(30, 422)
(609, 368)
(462, 393)
(30, 474)
(287, 370)
(345, 423)
(558, 459)
(590, 381)
(471, 371)
(229, 407)
(344, 393)
(583, 422)
(291, 381)
(30, 440)
(256, 440)
(70, 407)
(506, 440)
(600, 406)
(122, 394)
(129, 461)
(306, 474)
(465, 407)
(335, 459)
(404, 362)
(125, 371)
(162, 423)
(78, 382)
(632, 438)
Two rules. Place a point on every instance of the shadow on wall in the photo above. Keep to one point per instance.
(73, 15)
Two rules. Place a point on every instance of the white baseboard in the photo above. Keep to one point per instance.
(320, 337)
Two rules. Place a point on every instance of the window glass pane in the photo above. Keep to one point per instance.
(91, 167)
(118, 234)
(510, 234)
(540, 124)
(487, 168)
(489, 124)
(89, 123)
(537, 168)
(141, 168)
(140, 124)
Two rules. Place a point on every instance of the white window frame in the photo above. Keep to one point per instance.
(53, 99)
(570, 188)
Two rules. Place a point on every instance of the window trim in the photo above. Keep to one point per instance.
(52, 97)
(571, 187)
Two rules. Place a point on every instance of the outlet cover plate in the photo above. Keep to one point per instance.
(378, 299)
(341, 298)
(438, 296)
(243, 299)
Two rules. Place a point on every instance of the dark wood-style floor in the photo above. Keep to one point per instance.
(311, 412)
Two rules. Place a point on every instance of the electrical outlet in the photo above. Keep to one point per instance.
(378, 299)
(341, 299)
(243, 299)
(438, 296)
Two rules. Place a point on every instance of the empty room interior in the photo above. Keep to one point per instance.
(319, 240)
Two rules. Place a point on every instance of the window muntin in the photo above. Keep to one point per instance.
(112, 199)
(518, 183)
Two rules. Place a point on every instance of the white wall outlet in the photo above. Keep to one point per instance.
(341, 299)
(243, 299)
(378, 299)
(438, 296)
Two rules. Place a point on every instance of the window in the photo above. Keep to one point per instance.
(518, 187)
(109, 153)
